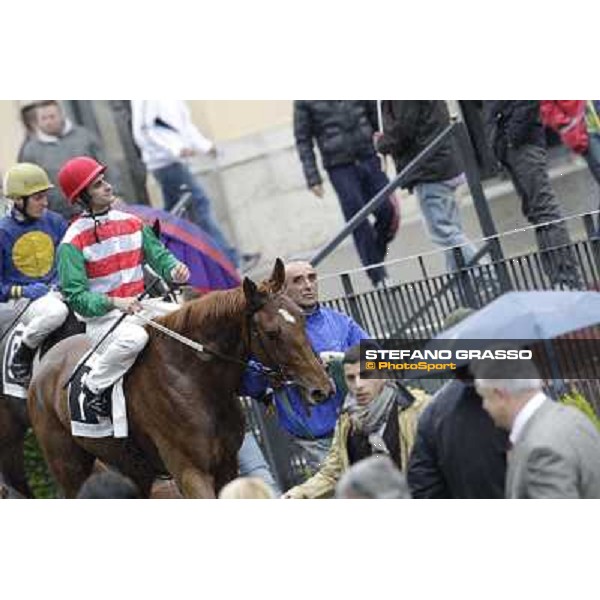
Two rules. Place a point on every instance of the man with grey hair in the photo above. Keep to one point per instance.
(555, 448)
(376, 477)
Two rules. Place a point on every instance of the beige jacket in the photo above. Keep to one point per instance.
(322, 483)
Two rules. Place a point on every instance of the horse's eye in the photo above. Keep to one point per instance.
(272, 334)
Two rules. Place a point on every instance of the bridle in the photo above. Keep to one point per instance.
(278, 374)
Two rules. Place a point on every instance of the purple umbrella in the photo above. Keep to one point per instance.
(209, 268)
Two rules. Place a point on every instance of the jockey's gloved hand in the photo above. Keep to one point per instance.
(33, 291)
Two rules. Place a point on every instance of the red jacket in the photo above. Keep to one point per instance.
(567, 118)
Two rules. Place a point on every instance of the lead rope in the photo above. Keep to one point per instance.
(176, 336)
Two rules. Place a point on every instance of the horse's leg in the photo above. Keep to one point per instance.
(195, 484)
(68, 462)
(228, 472)
(12, 466)
(12, 439)
(192, 481)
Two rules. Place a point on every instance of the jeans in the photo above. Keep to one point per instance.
(313, 452)
(528, 169)
(355, 184)
(592, 156)
(252, 463)
(173, 180)
(442, 217)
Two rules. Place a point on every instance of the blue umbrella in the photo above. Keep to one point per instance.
(528, 316)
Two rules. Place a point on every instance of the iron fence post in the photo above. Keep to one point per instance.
(463, 279)
(352, 301)
(486, 221)
(594, 238)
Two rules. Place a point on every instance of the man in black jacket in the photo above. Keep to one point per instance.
(408, 128)
(344, 130)
(517, 137)
(458, 451)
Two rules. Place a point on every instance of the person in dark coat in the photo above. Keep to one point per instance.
(408, 128)
(343, 130)
(517, 136)
(458, 451)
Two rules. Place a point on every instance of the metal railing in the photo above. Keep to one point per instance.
(417, 309)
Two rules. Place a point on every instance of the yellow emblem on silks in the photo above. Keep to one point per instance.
(33, 254)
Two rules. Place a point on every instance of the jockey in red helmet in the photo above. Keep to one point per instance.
(100, 268)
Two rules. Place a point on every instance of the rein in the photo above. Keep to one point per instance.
(203, 349)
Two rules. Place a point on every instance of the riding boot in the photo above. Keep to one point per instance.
(21, 364)
(97, 402)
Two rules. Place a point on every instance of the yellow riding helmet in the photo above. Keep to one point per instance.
(25, 179)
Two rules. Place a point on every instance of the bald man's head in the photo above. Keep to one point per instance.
(301, 284)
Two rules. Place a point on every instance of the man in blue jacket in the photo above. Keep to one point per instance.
(331, 333)
(29, 236)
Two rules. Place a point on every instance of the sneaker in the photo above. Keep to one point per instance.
(97, 402)
(566, 287)
(384, 283)
(21, 363)
(249, 261)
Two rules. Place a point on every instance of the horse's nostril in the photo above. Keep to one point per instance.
(317, 395)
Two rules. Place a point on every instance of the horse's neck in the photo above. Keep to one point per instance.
(224, 335)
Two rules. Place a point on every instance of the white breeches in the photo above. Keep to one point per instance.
(119, 351)
(42, 317)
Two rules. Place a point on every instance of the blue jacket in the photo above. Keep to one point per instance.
(327, 330)
(28, 252)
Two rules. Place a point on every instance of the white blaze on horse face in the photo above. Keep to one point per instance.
(286, 315)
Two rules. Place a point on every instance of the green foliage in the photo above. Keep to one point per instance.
(38, 476)
(577, 399)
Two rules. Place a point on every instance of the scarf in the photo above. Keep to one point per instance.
(371, 419)
(48, 139)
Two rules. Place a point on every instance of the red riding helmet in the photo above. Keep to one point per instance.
(76, 174)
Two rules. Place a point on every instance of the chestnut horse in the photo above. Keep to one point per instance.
(183, 411)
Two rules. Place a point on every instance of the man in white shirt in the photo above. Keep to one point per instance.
(555, 448)
(166, 136)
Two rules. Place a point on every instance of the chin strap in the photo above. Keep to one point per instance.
(84, 200)
(21, 214)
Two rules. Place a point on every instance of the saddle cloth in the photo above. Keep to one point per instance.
(11, 387)
(86, 423)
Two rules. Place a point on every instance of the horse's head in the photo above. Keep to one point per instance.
(278, 338)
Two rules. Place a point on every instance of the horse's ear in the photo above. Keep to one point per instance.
(250, 291)
(278, 276)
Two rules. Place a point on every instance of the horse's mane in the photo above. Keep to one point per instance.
(211, 307)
